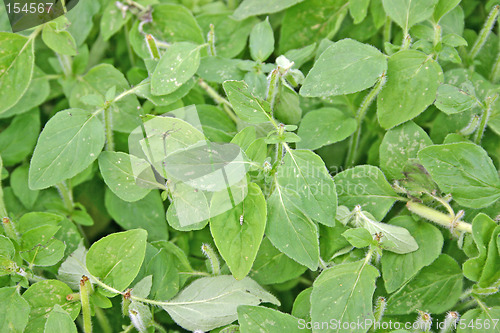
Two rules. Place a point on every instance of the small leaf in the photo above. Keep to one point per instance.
(358, 10)
(465, 170)
(59, 320)
(17, 140)
(323, 127)
(238, 232)
(407, 13)
(246, 106)
(119, 269)
(54, 159)
(258, 7)
(346, 67)
(74, 267)
(358, 237)
(442, 8)
(179, 63)
(261, 319)
(344, 292)
(451, 100)
(261, 41)
(212, 302)
(60, 41)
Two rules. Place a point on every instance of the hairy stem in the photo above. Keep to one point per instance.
(66, 194)
(85, 288)
(360, 115)
(219, 100)
(485, 117)
(438, 217)
(108, 123)
(485, 32)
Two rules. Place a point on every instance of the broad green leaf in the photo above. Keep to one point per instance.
(60, 41)
(400, 240)
(58, 321)
(261, 41)
(43, 297)
(17, 140)
(270, 260)
(19, 184)
(480, 320)
(344, 292)
(176, 67)
(412, 87)
(407, 13)
(287, 105)
(399, 146)
(358, 237)
(399, 268)
(54, 159)
(358, 10)
(165, 274)
(465, 170)
(451, 99)
(16, 67)
(365, 185)
(120, 269)
(210, 69)
(212, 302)
(435, 289)
(442, 8)
(305, 23)
(258, 7)
(305, 178)
(14, 310)
(247, 107)
(260, 319)
(323, 127)
(238, 232)
(118, 173)
(36, 94)
(346, 67)
(146, 213)
(97, 81)
(290, 230)
(230, 35)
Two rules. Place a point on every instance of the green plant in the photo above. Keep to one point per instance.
(338, 172)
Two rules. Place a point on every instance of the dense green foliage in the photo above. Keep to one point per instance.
(253, 166)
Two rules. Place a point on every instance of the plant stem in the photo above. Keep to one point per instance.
(153, 48)
(438, 217)
(212, 257)
(360, 115)
(130, 52)
(108, 123)
(211, 41)
(159, 327)
(85, 288)
(103, 320)
(9, 227)
(66, 194)
(387, 30)
(485, 117)
(219, 100)
(485, 32)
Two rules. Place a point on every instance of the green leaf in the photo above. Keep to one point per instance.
(442, 8)
(60, 41)
(212, 302)
(435, 289)
(112, 20)
(117, 169)
(358, 237)
(287, 105)
(14, 310)
(323, 127)
(165, 274)
(120, 269)
(346, 67)
(270, 260)
(302, 304)
(16, 67)
(40, 248)
(474, 320)
(97, 81)
(400, 146)
(261, 319)
(17, 140)
(210, 69)
(19, 184)
(175, 68)
(6, 247)
(358, 10)
(305, 23)
(238, 232)
(147, 213)
(59, 320)
(451, 99)
(397, 269)
(248, 107)
(54, 159)
(305, 178)
(491, 274)
(258, 7)
(261, 41)
(144, 90)
(465, 170)
(344, 292)
(74, 267)
(412, 87)
(365, 185)
(290, 230)
(43, 297)
(407, 13)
